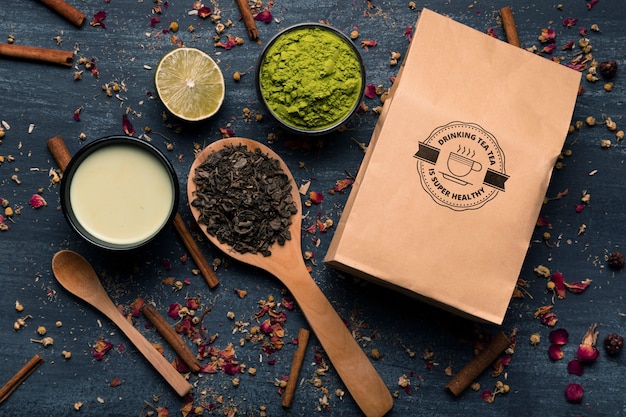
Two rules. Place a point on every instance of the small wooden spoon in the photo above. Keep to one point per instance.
(287, 264)
(77, 276)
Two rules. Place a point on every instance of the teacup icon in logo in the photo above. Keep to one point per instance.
(461, 166)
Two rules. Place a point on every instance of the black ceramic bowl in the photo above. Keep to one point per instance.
(119, 193)
(311, 78)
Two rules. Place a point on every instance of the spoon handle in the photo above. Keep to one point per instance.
(171, 375)
(353, 366)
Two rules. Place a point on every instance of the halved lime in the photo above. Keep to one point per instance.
(190, 84)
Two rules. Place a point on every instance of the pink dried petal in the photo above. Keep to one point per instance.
(127, 126)
(193, 303)
(230, 42)
(559, 337)
(264, 16)
(578, 207)
(136, 306)
(100, 348)
(548, 49)
(316, 197)
(204, 12)
(98, 19)
(370, 91)
(591, 4)
(547, 36)
(569, 22)
(549, 319)
(574, 393)
(154, 21)
(266, 326)
(555, 352)
(173, 310)
(37, 201)
(559, 284)
(575, 367)
(578, 286)
(343, 184)
(569, 45)
(582, 31)
(366, 43)
(487, 396)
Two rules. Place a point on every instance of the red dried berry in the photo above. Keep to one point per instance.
(613, 343)
(615, 260)
(608, 69)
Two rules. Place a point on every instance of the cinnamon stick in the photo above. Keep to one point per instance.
(248, 19)
(296, 366)
(59, 151)
(21, 375)
(510, 28)
(169, 334)
(62, 156)
(195, 252)
(478, 364)
(33, 53)
(66, 10)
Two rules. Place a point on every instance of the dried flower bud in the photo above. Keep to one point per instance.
(608, 69)
(613, 343)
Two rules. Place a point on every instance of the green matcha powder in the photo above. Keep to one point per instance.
(310, 78)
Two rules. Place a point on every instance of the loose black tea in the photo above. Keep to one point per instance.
(244, 199)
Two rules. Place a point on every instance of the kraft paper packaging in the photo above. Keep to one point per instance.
(445, 202)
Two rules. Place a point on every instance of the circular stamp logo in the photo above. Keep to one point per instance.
(461, 166)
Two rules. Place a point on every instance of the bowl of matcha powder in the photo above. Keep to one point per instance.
(311, 78)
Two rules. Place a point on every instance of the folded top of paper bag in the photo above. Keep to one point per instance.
(450, 189)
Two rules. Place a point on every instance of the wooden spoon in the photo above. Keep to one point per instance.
(77, 276)
(287, 264)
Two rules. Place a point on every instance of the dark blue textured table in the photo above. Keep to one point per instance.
(38, 101)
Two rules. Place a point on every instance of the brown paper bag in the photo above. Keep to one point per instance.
(451, 186)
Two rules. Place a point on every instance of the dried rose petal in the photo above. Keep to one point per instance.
(100, 348)
(575, 367)
(37, 201)
(154, 21)
(193, 303)
(567, 46)
(591, 4)
(574, 393)
(487, 396)
(204, 12)
(343, 184)
(366, 43)
(555, 352)
(98, 19)
(548, 49)
(136, 306)
(547, 36)
(316, 197)
(578, 287)
(559, 337)
(264, 16)
(266, 326)
(370, 91)
(549, 319)
(569, 22)
(173, 310)
(127, 126)
(559, 284)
